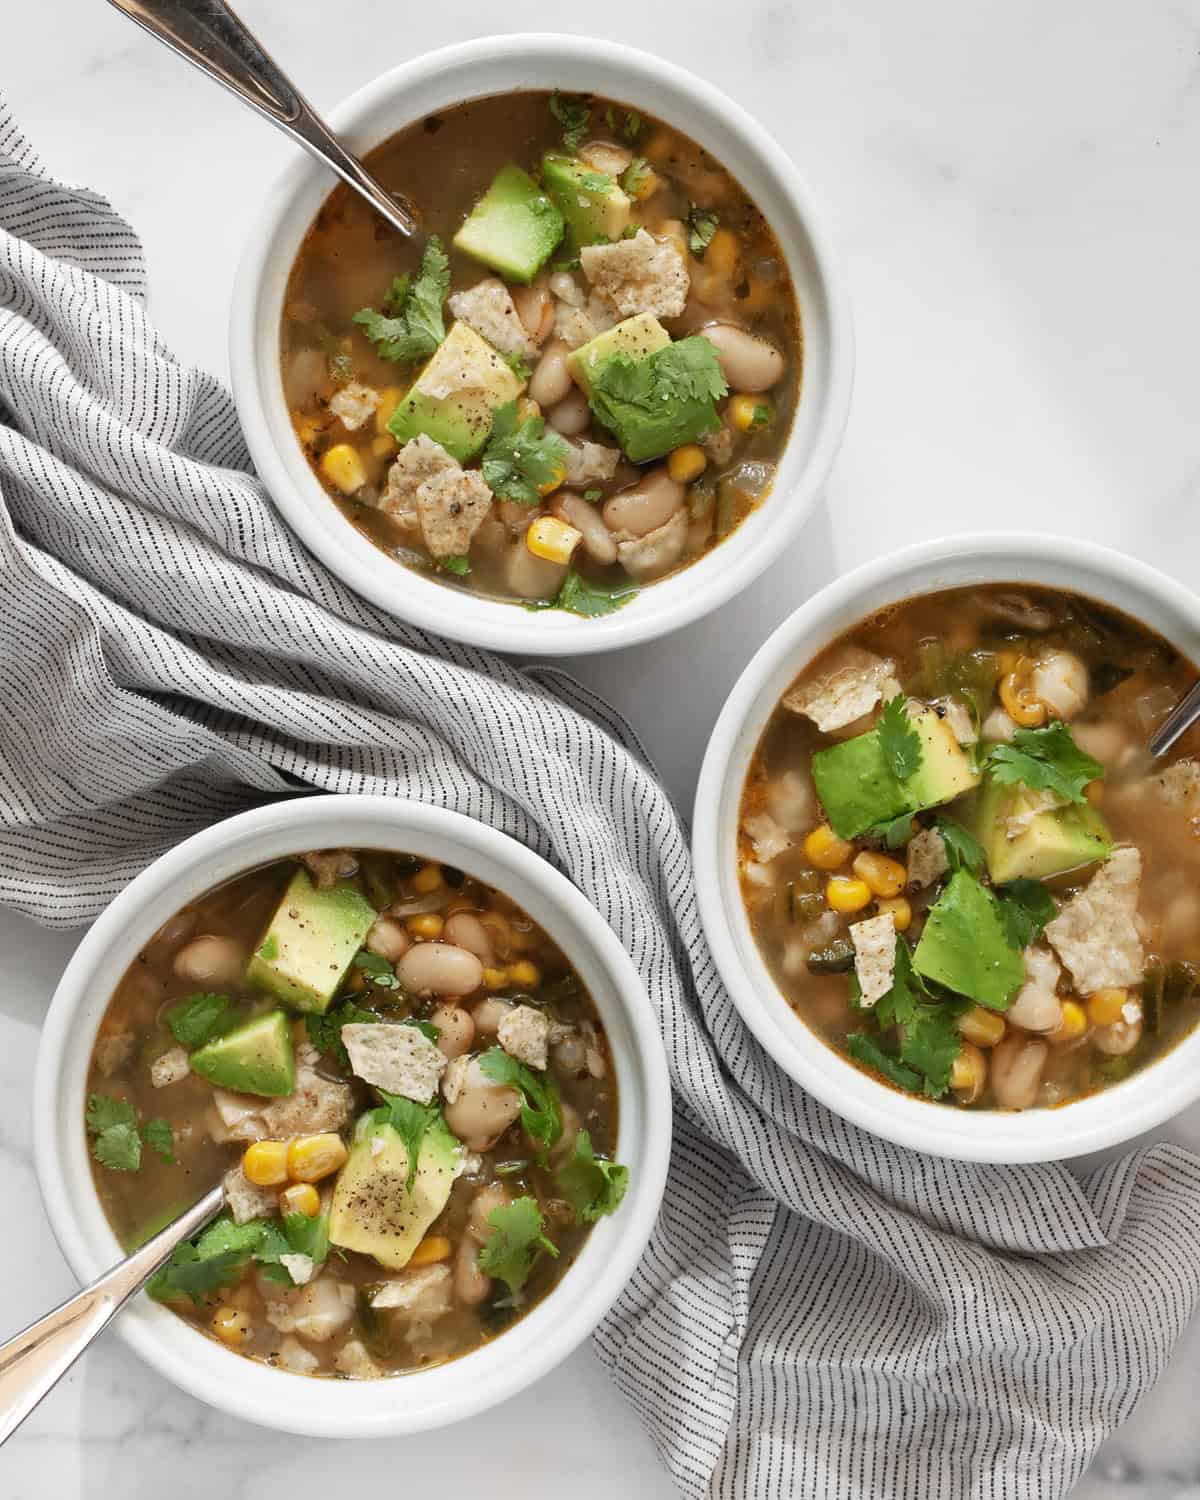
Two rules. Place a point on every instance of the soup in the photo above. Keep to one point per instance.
(581, 385)
(961, 865)
(405, 1088)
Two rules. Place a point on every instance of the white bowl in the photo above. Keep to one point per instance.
(1143, 1100)
(495, 65)
(546, 1335)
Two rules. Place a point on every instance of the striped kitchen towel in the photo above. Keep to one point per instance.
(819, 1313)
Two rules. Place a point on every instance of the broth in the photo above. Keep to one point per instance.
(1112, 681)
(735, 276)
(428, 1290)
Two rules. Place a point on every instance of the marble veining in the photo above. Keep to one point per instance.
(1011, 188)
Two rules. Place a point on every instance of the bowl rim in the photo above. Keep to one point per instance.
(823, 409)
(550, 1330)
(1139, 1103)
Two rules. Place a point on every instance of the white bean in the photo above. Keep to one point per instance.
(488, 1014)
(551, 380)
(465, 930)
(1060, 680)
(1119, 1038)
(439, 969)
(471, 1285)
(646, 506)
(211, 960)
(485, 1203)
(483, 1111)
(604, 157)
(530, 577)
(388, 938)
(456, 1030)
(535, 309)
(1017, 1064)
(570, 416)
(747, 362)
(598, 541)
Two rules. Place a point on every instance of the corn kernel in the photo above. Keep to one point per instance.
(433, 1247)
(527, 975)
(311, 1157)
(1104, 1007)
(265, 1163)
(722, 253)
(342, 466)
(556, 478)
(552, 539)
(968, 1073)
(300, 1198)
(1020, 703)
(824, 850)
(495, 979)
(885, 876)
(383, 447)
(983, 1027)
(687, 463)
(389, 399)
(900, 909)
(428, 926)
(527, 407)
(427, 879)
(846, 895)
(747, 413)
(1073, 1024)
(232, 1326)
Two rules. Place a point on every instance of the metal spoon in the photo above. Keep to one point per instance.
(1177, 723)
(210, 36)
(34, 1360)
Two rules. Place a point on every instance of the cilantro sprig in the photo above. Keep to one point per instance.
(411, 325)
(572, 112)
(522, 460)
(1025, 908)
(659, 402)
(1046, 759)
(579, 596)
(219, 1255)
(198, 1018)
(541, 1116)
(591, 1184)
(963, 849)
(117, 1138)
(702, 224)
(325, 1031)
(516, 1243)
(899, 741)
(411, 1122)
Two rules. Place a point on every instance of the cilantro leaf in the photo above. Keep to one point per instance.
(119, 1148)
(377, 969)
(635, 176)
(658, 403)
(898, 1005)
(325, 1031)
(596, 182)
(411, 1122)
(518, 364)
(633, 125)
(297, 1234)
(1025, 908)
(896, 833)
(104, 1112)
(515, 1243)
(591, 1184)
(863, 1050)
(522, 459)
(579, 596)
(460, 566)
(898, 740)
(701, 226)
(963, 849)
(198, 1018)
(1046, 759)
(412, 326)
(541, 1117)
(187, 1274)
(573, 113)
(930, 1043)
(158, 1136)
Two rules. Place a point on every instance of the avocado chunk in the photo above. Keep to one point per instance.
(1050, 843)
(637, 337)
(513, 228)
(964, 947)
(254, 1058)
(858, 789)
(594, 208)
(373, 1210)
(453, 398)
(309, 943)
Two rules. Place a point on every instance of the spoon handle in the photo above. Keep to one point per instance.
(208, 34)
(1178, 722)
(37, 1357)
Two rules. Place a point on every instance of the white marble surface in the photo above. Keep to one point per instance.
(1013, 187)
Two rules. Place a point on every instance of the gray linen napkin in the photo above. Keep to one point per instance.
(819, 1313)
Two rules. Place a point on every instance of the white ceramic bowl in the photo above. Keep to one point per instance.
(1145, 1099)
(495, 65)
(530, 1347)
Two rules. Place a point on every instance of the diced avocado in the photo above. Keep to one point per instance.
(945, 771)
(638, 337)
(254, 1058)
(372, 1210)
(859, 791)
(454, 396)
(856, 785)
(594, 207)
(513, 228)
(964, 947)
(310, 942)
(1050, 843)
